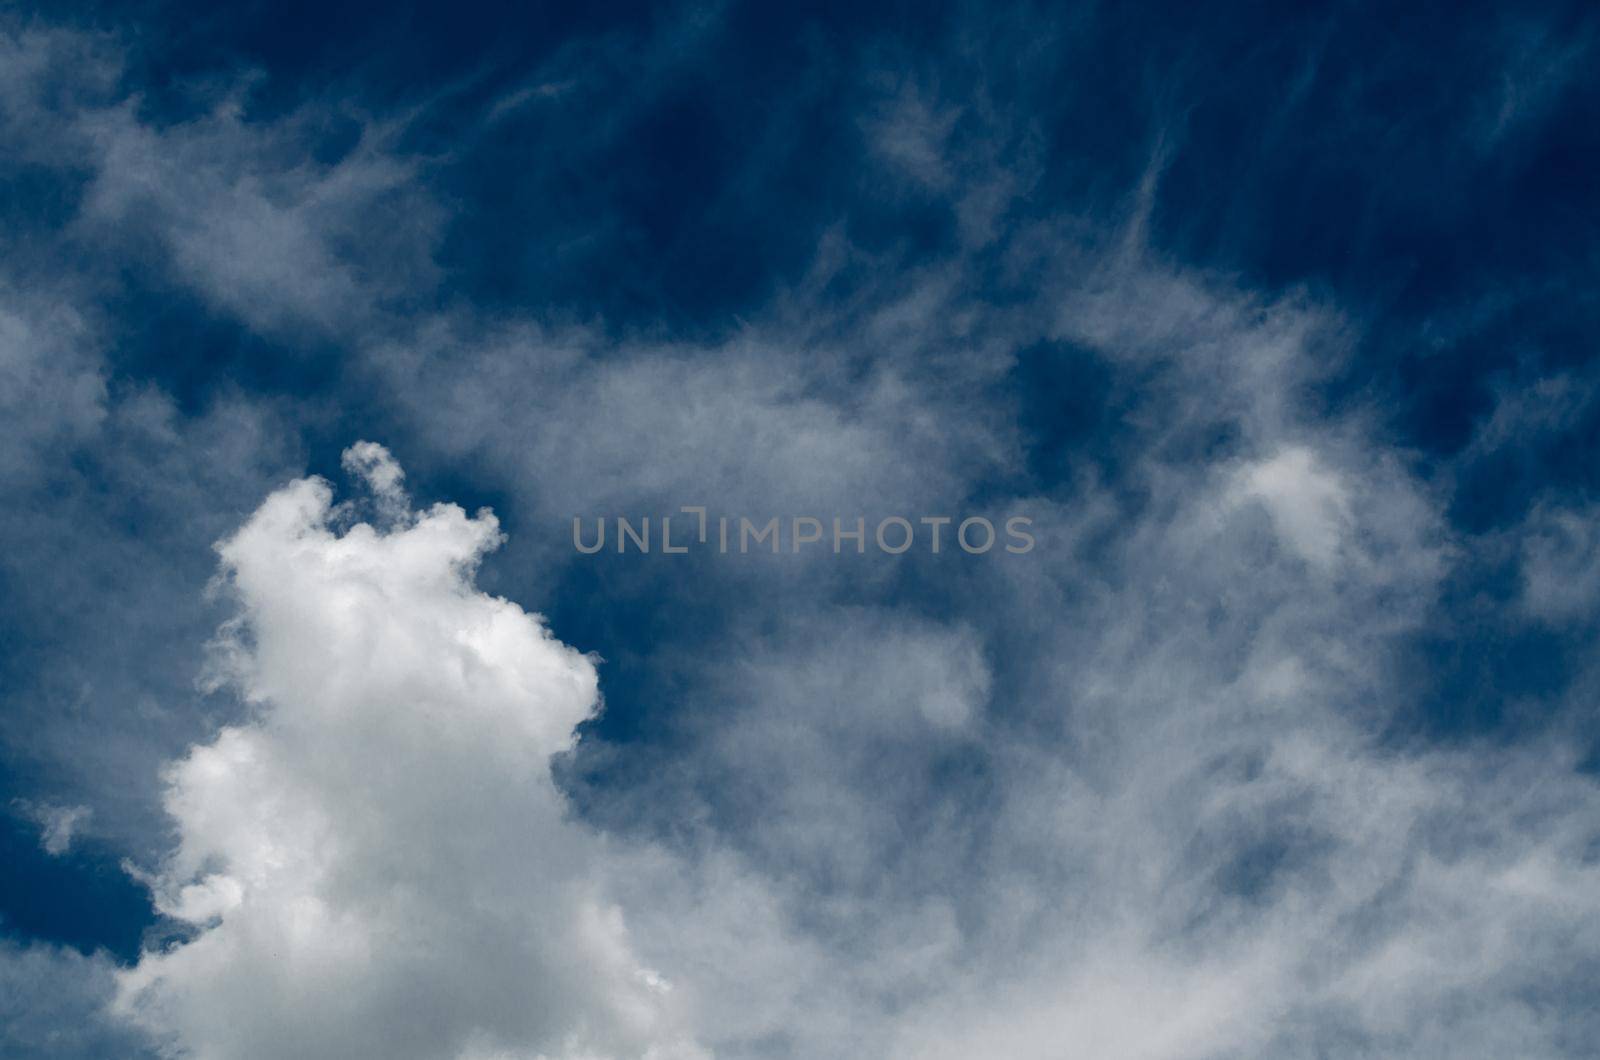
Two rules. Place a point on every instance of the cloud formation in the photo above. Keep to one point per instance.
(1191, 848)
(58, 825)
(1154, 790)
(377, 862)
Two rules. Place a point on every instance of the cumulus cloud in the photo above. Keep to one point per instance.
(383, 476)
(377, 862)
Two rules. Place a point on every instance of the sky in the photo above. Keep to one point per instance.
(1274, 737)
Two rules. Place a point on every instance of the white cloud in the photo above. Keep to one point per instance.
(378, 863)
(372, 463)
(245, 219)
(52, 384)
(229, 206)
(1309, 504)
(780, 420)
(1186, 838)
(58, 825)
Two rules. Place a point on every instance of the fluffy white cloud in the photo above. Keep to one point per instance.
(378, 863)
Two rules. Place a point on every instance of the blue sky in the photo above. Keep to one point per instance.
(1277, 322)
